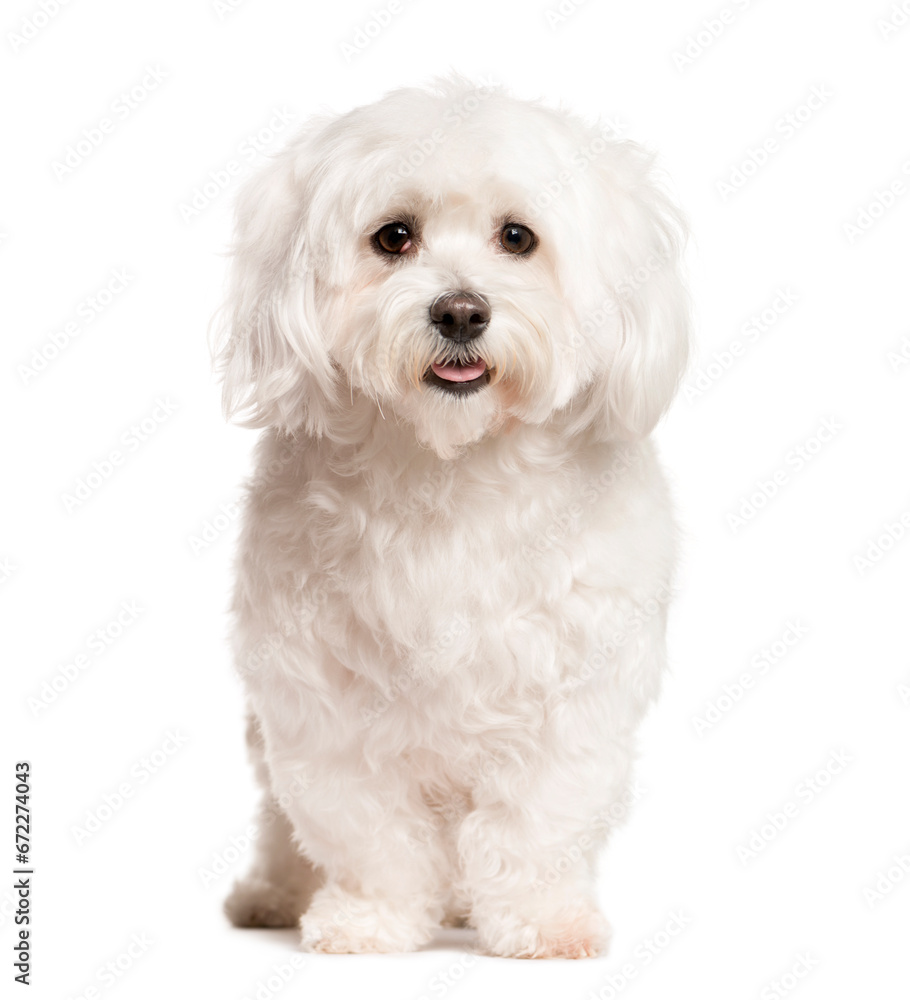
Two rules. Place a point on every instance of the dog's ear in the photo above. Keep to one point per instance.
(641, 323)
(270, 349)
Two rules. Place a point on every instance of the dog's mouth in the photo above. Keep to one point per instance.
(458, 377)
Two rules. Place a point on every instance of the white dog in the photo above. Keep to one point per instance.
(458, 316)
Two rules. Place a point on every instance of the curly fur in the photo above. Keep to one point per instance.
(449, 609)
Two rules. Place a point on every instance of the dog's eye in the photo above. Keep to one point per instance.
(394, 238)
(517, 239)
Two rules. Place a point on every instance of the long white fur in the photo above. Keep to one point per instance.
(449, 611)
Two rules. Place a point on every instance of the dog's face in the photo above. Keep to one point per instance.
(465, 260)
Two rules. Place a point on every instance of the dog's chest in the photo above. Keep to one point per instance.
(433, 574)
(436, 572)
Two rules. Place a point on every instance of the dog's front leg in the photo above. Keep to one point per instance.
(367, 830)
(529, 846)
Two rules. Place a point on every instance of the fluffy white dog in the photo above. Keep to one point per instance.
(458, 316)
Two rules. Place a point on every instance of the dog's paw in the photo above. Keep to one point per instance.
(582, 934)
(337, 922)
(254, 902)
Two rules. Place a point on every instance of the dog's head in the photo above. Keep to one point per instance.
(463, 259)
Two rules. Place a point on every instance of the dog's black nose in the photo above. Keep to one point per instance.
(460, 316)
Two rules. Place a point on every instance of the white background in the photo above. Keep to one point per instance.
(842, 687)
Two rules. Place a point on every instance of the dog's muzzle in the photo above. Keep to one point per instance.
(459, 317)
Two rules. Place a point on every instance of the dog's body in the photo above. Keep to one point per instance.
(451, 600)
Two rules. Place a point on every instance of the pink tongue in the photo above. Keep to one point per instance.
(460, 373)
